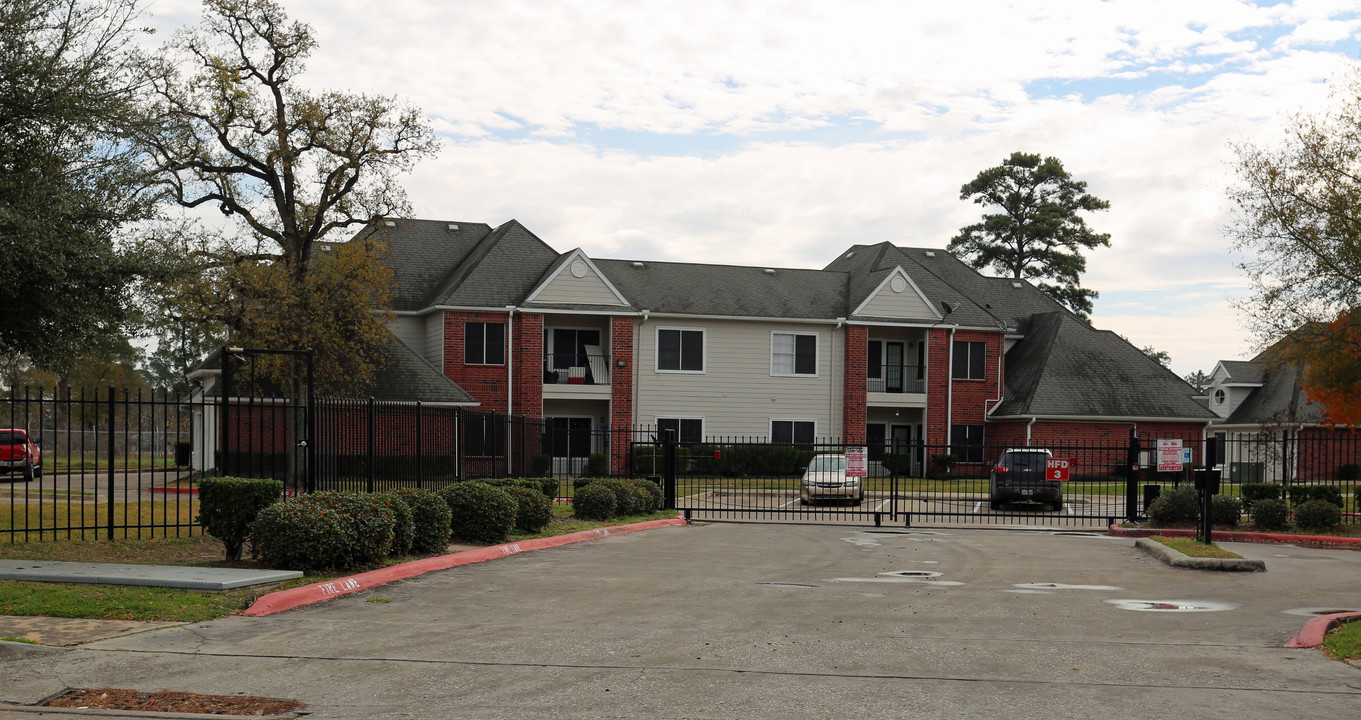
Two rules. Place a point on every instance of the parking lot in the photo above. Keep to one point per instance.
(733, 620)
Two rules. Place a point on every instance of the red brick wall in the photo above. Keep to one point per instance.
(621, 391)
(972, 398)
(854, 400)
(1323, 451)
(1094, 447)
(528, 361)
(486, 383)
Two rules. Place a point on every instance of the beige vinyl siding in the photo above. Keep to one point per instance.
(588, 290)
(434, 339)
(736, 394)
(410, 330)
(905, 304)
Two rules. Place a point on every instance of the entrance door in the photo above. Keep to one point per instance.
(893, 367)
(900, 442)
(569, 443)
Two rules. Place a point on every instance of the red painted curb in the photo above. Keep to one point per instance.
(282, 600)
(1238, 536)
(1314, 631)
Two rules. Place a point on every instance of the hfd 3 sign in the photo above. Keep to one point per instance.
(1056, 469)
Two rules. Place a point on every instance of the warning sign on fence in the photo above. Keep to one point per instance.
(1169, 455)
(856, 462)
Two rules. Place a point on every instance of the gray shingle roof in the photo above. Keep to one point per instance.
(1280, 399)
(728, 290)
(1065, 368)
(424, 253)
(1244, 371)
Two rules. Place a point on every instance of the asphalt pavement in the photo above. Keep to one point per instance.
(731, 620)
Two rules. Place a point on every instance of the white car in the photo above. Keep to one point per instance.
(825, 479)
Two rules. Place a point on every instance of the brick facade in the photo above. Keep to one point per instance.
(488, 384)
(854, 400)
(968, 400)
(621, 391)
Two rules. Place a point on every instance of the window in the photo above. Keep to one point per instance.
(1219, 396)
(484, 343)
(793, 432)
(484, 435)
(968, 362)
(689, 431)
(793, 354)
(680, 350)
(966, 442)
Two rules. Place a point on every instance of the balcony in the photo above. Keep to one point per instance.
(898, 385)
(576, 375)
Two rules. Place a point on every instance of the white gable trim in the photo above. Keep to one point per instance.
(572, 257)
(898, 271)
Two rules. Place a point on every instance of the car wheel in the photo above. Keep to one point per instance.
(1057, 505)
(995, 504)
(803, 501)
(28, 473)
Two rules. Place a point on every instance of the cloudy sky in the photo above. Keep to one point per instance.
(783, 132)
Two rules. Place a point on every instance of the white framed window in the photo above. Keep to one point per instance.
(680, 350)
(969, 361)
(799, 433)
(794, 354)
(1219, 396)
(689, 430)
(484, 343)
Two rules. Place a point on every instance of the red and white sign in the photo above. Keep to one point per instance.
(1056, 469)
(857, 462)
(1169, 455)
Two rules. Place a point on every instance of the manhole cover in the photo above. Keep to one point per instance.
(912, 573)
(1172, 605)
(1315, 611)
(786, 585)
(1061, 586)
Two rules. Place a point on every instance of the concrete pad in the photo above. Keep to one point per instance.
(170, 576)
(70, 631)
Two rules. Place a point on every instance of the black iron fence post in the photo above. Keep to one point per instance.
(669, 469)
(110, 475)
(373, 432)
(1132, 477)
(420, 452)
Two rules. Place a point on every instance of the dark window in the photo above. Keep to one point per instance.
(569, 347)
(969, 360)
(689, 431)
(569, 437)
(966, 442)
(484, 435)
(484, 343)
(874, 368)
(680, 350)
(792, 354)
(796, 432)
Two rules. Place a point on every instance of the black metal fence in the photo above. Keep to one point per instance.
(120, 464)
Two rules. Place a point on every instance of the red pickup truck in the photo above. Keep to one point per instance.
(19, 452)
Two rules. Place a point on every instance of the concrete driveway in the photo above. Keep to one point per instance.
(761, 621)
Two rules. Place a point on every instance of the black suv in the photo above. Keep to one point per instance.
(1019, 476)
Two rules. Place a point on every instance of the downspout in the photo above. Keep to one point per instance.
(1027, 430)
(950, 392)
(510, 377)
(832, 385)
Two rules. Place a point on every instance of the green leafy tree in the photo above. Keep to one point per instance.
(290, 166)
(1198, 380)
(1035, 231)
(1162, 357)
(69, 181)
(1298, 222)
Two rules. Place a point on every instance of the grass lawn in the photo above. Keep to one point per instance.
(1344, 642)
(36, 520)
(173, 605)
(1191, 548)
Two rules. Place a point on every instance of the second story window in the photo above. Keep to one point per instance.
(969, 360)
(680, 350)
(793, 354)
(484, 343)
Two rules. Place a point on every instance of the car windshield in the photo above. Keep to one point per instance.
(1026, 461)
(11, 438)
(827, 463)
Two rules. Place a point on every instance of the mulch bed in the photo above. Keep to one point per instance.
(168, 701)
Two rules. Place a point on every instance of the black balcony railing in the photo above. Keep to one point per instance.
(899, 378)
(576, 369)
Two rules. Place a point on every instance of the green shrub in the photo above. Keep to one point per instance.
(533, 510)
(295, 535)
(1350, 471)
(1317, 515)
(227, 507)
(541, 464)
(479, 512)
(634, 500)
(1225, 510)
(546, 485)
(429, 519)
(620, 488)
(597, 465)
(654, 491)
(594, 502)
(944, 462)
(368, 525)
(1270, 514)
(898, 463)
(404, 527)
(1177, 505)
(1301, 494)
(1253, 492)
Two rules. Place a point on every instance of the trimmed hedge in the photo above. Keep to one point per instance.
(404, 530)
(294, 535)
(430, 520)
(1253, 492)
(1270, 514)
(1177, 505)
(228, 506)
(479, 512)
(368, 525)
(1301, 494)
(1318, 515)
(1225, 510)
(533, 510)
(1350, 471)
(594, 502)
(654, 491)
